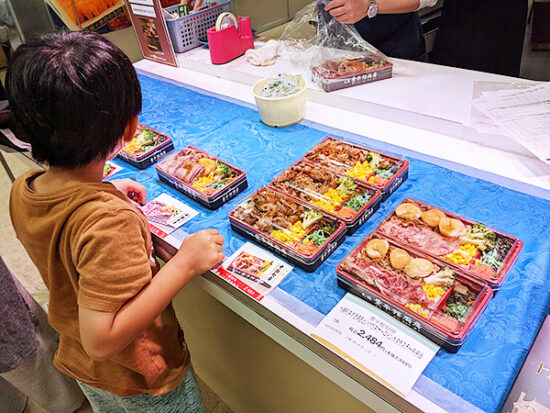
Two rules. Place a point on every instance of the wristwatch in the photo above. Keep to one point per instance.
(373, 9)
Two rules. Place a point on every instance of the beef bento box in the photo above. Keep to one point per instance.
(471, 246)
(342, 73)
(147, 147)
(201, 176)
(303, 235)
(377, 169)
(339, 195)
(441, 302)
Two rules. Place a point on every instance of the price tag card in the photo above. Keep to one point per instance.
(253, 270)
(374, 342)
(166, 214)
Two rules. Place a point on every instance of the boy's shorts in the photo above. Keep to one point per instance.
(185, 398)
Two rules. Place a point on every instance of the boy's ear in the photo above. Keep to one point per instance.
(130, 129)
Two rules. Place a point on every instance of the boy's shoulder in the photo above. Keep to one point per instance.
(78, 205)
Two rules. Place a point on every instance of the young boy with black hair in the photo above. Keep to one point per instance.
(75, 99)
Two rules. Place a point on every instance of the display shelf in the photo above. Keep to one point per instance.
(234, 132)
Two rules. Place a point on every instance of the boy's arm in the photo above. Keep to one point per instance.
(105, 334)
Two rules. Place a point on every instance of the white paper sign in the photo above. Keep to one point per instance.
(523, 114)
(253, 270)
(374, 342)
(143, 11)
(166, 214)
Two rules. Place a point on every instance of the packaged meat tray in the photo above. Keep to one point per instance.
(291, 228)
(384, 172)
(339, 74)
(201, 176)
(471, 246)
(338, 195)
(441, 302)
(147, 147)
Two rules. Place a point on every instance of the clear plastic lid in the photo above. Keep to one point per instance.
(364, 164)
(442, 295)
(200, 171)
(288, 223)
(339, 195)
(470, 245)
(145, 141)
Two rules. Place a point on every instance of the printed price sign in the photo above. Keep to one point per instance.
(253, 270)
(374, 342)
(166, 214)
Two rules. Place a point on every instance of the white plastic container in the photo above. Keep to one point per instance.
(281, 111)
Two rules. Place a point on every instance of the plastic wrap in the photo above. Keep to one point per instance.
(440, 302)
(474, 248)
(333, 54)
(201, 176)
(383, 171)
(305, 236)
(336, 194)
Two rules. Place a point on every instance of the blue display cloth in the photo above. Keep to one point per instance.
(485, 367)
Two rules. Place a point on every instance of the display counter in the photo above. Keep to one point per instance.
(493, 180)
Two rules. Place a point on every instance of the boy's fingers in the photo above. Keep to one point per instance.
(220, 240)
(219, 248)
(211, 231)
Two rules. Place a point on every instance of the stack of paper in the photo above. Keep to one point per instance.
(523, 114)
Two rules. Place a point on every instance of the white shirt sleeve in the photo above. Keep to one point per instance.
(426, 3)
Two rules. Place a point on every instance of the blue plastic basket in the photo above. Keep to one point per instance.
(187, 31)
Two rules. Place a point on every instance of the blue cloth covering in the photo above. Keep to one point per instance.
(485, 367)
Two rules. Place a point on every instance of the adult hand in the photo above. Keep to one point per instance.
(136, 192)
(348, 11)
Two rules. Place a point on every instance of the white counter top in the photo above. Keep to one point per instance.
(423, 108)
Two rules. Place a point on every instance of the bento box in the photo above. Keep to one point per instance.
(384, 172)
(338, 195)
(303, 235)
(147, 147)
(441, 302)
(472, 247)
(339, 74)
(201, 176)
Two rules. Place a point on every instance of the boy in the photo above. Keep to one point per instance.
(75, 99)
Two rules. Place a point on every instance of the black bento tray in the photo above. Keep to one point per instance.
(219, 197)
(149, 158)
(389, 187)
(362, 215)
(286, 251)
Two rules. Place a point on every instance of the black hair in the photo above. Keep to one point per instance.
(72, 96)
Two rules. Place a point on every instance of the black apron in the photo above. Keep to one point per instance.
(484, 35)
(395, 35)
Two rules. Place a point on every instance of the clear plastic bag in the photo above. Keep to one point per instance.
(334, 55)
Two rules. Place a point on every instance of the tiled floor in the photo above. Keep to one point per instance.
(20, 264)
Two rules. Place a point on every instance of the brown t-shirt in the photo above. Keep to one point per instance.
(93, 249)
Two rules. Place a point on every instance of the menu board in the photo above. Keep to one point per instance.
(151, 31)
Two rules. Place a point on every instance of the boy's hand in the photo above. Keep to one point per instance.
(136, 192)
(200, 252)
